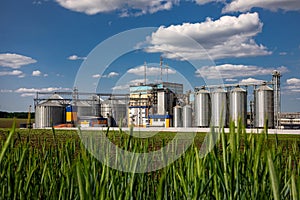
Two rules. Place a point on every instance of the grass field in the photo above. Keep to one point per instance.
(41, 164)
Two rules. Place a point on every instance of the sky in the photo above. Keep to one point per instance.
(105, 46)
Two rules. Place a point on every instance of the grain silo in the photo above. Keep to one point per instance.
(177, 116)
(219, 108)
(238, 105)
(50, 113)
(202, 108)
(187, 116)
(264, 106)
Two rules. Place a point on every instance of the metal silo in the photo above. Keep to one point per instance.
(264, 106)
(219, 107)
(117, 110)
(83, 108)
(177, 116)
(202, 108)
(50, 112)
(238, 105)
(96, 106)
(187, 116)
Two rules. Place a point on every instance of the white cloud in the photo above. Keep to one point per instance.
(15, 61)
(151, 71)
(75, 57)
(36, 73)
(32, 91)
(132, 82)
(251, 80)
(274, 5)
(96, 76)
(231, 80)
(45, 75)
(18, 73)
(125, 7)
(121, 87)
(226, 37)
(293, 84)
(28, 95)
(293, 81)
(110, 75)
(230, 71)
(202, 2)
(282, 53)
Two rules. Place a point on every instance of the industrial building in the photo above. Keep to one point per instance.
(152, 104)
(164, 104)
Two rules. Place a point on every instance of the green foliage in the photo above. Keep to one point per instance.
(240, 166)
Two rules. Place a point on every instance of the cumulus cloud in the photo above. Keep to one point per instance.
(96, 75)
(293, 81)
(125, 7)
(251, 80)
(25, 92)
(151, 71)
(226, 37)
(273, 5)
(36, 73)
(293, 84)
(15, 61)
(11, 73)
(127, 86)
(230, 71)
(112, 74)
(109, 75)
(75, 57)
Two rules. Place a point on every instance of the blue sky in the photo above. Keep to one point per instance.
(45, 43)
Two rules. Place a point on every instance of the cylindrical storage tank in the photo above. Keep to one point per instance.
(264, 106)
(177, 116)
(219, 108)
(202, 108)
(119, 113)
(84, 108)
(187, 116)
(115, 109)
(106, 109)
(96, 106)
(238, 105)
(49, 114)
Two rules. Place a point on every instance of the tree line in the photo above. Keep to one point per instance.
(19, 115)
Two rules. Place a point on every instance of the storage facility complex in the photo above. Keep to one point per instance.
(165, 104)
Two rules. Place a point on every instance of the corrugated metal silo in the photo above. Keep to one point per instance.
(238, 105)
(264, 106)
(51, 112)
(202, 108)
(177, 116)
(83, 108)
(117, 110)
(219, 108)
(187, 116)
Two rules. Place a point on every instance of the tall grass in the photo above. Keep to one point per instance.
(240, 166)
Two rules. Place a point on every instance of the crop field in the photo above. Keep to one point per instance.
(54, 164)
(8, 122)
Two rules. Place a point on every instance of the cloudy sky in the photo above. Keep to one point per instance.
(54, 45)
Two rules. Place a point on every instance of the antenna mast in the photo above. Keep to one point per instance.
(167, 67)
(161, 63)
